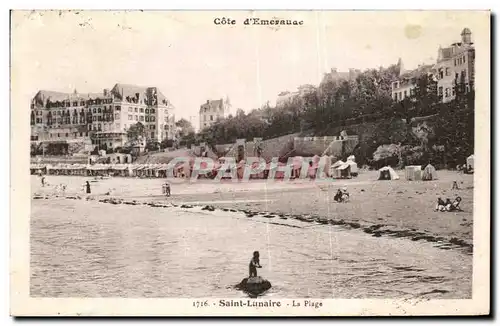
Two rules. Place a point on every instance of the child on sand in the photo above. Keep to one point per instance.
(254, 264)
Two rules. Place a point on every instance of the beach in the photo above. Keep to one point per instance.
(396, 205)
(198, 242)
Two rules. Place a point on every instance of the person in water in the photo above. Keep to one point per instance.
(254, 264)
(87, 187)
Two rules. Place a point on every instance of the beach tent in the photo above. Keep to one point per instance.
(387, 173)
(353, 165)
(429, 173)
(342, 171)
(470, 161)
(413, 172)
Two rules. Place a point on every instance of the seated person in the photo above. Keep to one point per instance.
(338, 196)
(448, 205)
(455, 206)
(441, 206)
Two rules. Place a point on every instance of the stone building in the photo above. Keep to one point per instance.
(76, 121)
(213, 110)
(455, 64)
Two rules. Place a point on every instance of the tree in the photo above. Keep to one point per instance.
(184, 126)
(136, 132)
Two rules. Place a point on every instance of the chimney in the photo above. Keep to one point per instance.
(208, 101)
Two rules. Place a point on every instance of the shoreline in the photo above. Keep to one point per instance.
(397, 208)
(375, 230)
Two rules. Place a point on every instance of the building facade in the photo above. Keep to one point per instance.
(98, 119)
(407, 82)
(455, 64)
(213, 110)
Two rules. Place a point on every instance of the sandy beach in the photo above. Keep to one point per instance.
(397, 208)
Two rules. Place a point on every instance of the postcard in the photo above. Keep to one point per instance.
(250, 163)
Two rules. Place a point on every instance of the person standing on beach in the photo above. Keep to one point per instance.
(254, 264)
(87, 186)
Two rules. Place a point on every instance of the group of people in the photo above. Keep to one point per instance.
(448, 206)
(341, 196)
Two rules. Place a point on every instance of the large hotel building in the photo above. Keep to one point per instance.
(96, 119)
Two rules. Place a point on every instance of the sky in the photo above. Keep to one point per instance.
(190, 59)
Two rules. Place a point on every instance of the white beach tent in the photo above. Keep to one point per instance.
(413, 172)
(429, 173)
(353, 165)
(470, 161)
(387, 173)
(333, 168)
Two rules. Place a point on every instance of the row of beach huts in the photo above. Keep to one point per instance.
(339, 169)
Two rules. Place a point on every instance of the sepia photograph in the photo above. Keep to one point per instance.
(250, 163)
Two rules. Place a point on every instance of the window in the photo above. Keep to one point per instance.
(147, 111)
(406, 94)
(66, 134)
(447, 92)
(130, 117)
(448, 71)
(152, 111)
(58, 135)
(153, 127)
(117, 116)
(463, 58)
(118, 108)
(204, 118)
(153, 119)
(117, 125)
(99, 127)
(135, 109)
(395, 96)
(130, 110)
(152, 134)
(456, 75)
(141, 110)
(82, 103)
(453, 91)
(440, 91)
(81, 134)
(211, 118)
(75, 103)
(90, 127)
(105, 127)
(95, 111)
(440, 73)
(400, 96)
(455, 62)
(135, 118)
(94, 118)
(99, 110)
(147, 119)
(50, 135)
(141, 118)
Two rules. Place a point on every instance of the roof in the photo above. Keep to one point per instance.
(120, 91)
(212, 104)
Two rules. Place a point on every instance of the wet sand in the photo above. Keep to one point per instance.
(397, 208)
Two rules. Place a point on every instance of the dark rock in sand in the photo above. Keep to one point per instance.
(225, 209)
(354, 225)
(377, 234)
(186, 206)
(269, 216)
(38, 197)
(233, 210)
(254, 285)
(208, 208)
